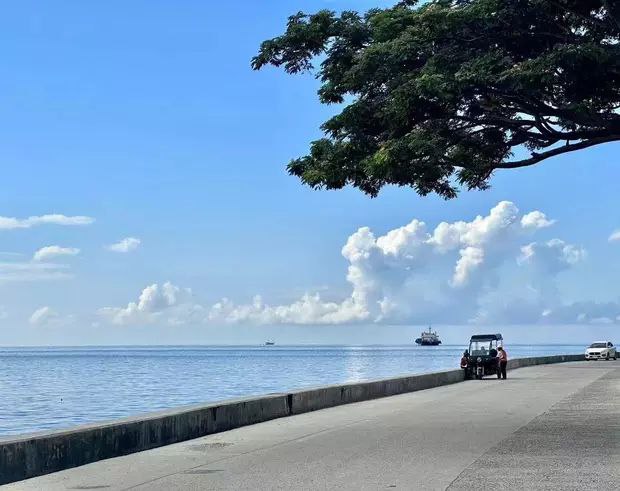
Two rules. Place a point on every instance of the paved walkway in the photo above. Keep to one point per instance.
(546, 427)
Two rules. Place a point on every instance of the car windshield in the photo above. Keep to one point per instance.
(598, 345)
(482, 348)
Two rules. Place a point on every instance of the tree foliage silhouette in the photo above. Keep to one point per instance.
(438, 95)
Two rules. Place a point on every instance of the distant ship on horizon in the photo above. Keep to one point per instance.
(429, 338)
(270, 343)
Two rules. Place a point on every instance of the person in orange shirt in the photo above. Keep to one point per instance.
(502, 361)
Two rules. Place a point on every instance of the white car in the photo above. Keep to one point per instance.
(601, 350)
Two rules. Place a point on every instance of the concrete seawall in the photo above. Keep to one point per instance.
(26, 456)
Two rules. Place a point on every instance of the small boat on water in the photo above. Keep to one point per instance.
(270, 343)
(429, 338)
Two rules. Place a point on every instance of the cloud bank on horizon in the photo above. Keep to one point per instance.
(488, 270)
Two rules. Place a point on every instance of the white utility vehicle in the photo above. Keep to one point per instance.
(601, 350)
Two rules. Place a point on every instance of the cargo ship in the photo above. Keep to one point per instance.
(429, 338)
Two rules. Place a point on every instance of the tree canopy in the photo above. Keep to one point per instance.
(438, 95)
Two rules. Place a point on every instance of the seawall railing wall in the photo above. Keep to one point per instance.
(26, 456)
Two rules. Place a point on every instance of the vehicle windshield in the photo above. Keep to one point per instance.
(482, 348)
(598, 345)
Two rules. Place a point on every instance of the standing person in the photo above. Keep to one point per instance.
(465, 363)
(502, 361)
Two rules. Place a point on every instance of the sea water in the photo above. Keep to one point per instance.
(52, 388)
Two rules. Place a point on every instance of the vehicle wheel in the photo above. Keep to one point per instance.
(607, 357)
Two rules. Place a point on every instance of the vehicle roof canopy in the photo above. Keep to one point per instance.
(486, 337)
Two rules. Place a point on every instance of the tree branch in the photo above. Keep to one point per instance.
(538, 157)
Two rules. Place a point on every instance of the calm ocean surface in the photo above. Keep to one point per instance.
(44, 388)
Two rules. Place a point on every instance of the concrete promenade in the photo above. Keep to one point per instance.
(546, 427)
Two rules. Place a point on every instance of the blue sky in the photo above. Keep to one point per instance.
(146, 117)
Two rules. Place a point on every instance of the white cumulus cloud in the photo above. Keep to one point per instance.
(536, 219)
(127, 244)
(486, 270)
(9, 223)
(46, 316)
(155, 301)
(310, 309)
(49, 252)
(615, 236)
(42, 316)
(413, 274)
(552, 256)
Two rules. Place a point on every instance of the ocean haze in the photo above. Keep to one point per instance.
(355, 334)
